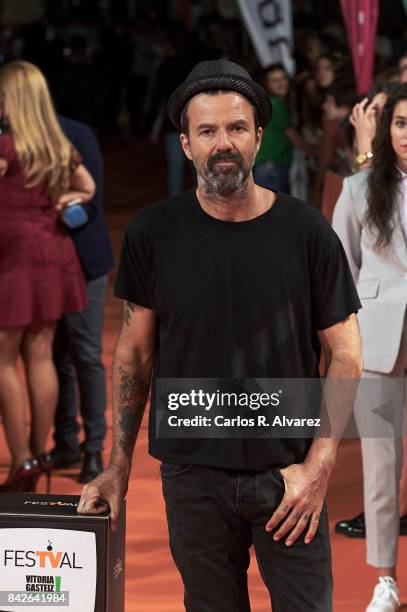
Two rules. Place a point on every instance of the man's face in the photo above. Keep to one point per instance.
(222, 140)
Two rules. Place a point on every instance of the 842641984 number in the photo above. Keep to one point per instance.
(21, 598)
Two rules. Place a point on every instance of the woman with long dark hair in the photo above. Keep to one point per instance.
(371, 219)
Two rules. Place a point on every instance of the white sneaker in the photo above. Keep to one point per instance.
(385, 596)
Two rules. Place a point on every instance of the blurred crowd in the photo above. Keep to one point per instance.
(116, 74)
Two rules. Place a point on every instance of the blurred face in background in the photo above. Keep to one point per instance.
(277, 83)
(313, 48)
(324, 72)
(403, 69)
(398, 133)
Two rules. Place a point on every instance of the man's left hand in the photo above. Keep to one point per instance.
(300, 508)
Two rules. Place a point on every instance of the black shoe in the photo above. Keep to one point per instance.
(92, 467)
(64, 459)
(352, 528)
(355, 527)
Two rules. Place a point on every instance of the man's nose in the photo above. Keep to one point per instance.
(223, 143)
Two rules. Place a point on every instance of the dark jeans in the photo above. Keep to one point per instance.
(214, 516)
(78, 359)
(272, 176)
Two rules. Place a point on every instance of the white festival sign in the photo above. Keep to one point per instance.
(40, 563)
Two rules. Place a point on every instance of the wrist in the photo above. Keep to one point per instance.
(364, 142)
(364, 156)
(120, 465)
(318, 470)
(321, 462)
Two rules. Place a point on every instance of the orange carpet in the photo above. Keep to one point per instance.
(153, 584)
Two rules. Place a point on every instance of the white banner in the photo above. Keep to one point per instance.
(50, 569)
(269, 23)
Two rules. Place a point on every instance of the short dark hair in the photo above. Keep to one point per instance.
(184, 122)
(274, 67)
(343, 92)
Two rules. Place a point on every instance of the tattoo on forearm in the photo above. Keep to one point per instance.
(133, 392)
(131, 387)
(127, 312)
(129, 425)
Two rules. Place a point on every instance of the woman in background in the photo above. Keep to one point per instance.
(371, 219)
(40, 275)
(273, 161)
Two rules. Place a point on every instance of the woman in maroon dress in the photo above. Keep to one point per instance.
(40, 275)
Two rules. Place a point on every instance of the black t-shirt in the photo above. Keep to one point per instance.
(235, 300)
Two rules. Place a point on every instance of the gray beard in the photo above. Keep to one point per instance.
(225, 183)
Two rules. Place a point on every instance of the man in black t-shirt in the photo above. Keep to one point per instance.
(232, 282)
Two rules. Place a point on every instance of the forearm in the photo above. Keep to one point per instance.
(131, 383)
(339, 392)
(69, 196)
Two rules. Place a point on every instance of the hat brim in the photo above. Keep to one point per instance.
(247, 88)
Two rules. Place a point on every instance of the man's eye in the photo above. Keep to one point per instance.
(206, 132)
(238, 128)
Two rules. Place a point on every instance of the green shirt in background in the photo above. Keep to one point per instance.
(275, 145)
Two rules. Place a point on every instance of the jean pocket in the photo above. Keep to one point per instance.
(172, 470)
(277, 473)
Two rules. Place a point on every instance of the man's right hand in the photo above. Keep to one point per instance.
(106, 491)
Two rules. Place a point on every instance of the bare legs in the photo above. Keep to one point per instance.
(12, 397)
(35, 345)
(42, 383)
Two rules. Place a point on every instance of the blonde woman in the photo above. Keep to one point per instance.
(40, 275)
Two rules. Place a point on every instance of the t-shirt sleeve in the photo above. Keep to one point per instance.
(133, 279)
(334, 295)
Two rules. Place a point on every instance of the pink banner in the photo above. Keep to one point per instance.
(360, 17)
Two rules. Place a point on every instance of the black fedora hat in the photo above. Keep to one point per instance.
(219, 74)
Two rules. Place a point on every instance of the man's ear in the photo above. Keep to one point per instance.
(185, 145)
(259, 135)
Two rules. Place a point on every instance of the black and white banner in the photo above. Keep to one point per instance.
(269, 23)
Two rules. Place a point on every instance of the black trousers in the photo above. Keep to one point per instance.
(78, 360)
(214, 516)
